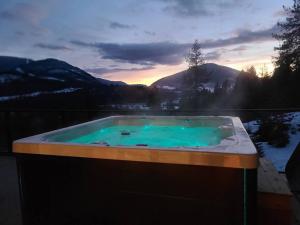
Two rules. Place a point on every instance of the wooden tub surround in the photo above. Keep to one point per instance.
(88, 184)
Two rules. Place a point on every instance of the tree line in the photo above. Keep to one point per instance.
(281, 89)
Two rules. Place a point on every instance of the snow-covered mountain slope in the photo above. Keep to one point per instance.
(209, 75)
(8, 62)
(38, 93)
(55, 83)
(25, 70)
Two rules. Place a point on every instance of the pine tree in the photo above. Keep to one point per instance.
(289, 35)
(225, 86)
(195, 59)
(251, 71)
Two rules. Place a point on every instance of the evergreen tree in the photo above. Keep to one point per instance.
(225, 86)
(251, 72)
(195, 59)
(246, 90)
(289, 35)
(217, 88)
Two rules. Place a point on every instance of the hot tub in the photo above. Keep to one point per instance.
(140, 170)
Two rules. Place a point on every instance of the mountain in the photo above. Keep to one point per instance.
(7, 63)
(55, 83)
(110, 82)
(209, 75)
(13, 68)
(24, 76)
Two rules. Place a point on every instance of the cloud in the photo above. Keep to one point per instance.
(151, 33)
(116, 25)
(19, 33)
(215, 55)
(104, 70)
(229, 4)
(184, 8)
(242, 36)
(82, 43)
(198, 8)
(281, 13)
(239, 48)
(52, 47)
(165, 53)
(23, 12)
(26, 17)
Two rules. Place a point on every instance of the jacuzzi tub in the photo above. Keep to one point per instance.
(227, 144)
(140, 170)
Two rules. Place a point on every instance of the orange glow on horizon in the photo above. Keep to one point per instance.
(147, 77)
(259, 65)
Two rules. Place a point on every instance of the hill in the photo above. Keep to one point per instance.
(53, 83)
(209, 76)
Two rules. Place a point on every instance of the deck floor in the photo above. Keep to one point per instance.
(276, 203)
(269, 180)
(10, 211)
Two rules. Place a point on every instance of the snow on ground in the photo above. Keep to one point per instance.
(168, 87)
(66, 90)
(135, 106)
(5, 78)
(251, 126)
(280, 156)
(52, 78)
(37, 93)
(19, 70)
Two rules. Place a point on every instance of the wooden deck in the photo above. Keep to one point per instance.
(274, 196)
(270, 181)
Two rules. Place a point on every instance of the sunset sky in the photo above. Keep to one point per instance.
(140, 41)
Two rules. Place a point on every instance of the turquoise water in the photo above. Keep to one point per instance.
(152, 136)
